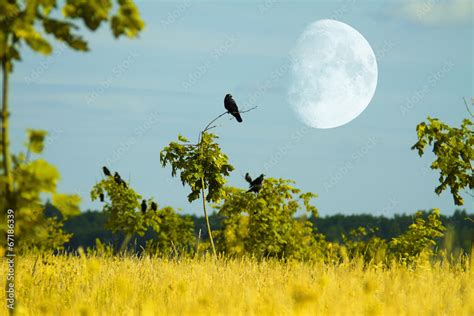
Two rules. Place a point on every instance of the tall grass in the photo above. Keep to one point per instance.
(128, 285)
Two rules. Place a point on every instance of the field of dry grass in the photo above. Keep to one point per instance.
(66, 285)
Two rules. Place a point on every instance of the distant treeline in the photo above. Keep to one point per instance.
(89, 226)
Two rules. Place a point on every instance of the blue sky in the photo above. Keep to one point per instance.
(125, 100)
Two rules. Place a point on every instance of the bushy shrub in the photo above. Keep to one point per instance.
(419, 239)
(363, 243)
(125, 215)
(264, 224)
(34, 179)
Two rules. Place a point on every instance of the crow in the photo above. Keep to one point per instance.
(101, 197)
(232, 108)
(256, 184)
(106, 171)
(154, 206)
(124, 184)
(144, 206)
(117, 178)
(248, 178)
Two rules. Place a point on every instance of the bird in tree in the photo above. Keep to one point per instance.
(101, 197)
(232, 108)
(256, 184)
(248, 178)
(106, 171)
(154, 207)
(117, 178)
(144, 207)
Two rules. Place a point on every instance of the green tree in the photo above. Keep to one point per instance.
(34, 23)
(35, 178)
(420, 238)
(265, 225)
(125, 215)
(175, 234)
(202, 167)
(454, 151)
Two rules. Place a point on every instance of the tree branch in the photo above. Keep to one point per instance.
(467, 107)
(208, 126)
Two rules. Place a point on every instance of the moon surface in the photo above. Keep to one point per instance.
(333, 74)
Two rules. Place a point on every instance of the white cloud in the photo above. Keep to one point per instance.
(435, 12)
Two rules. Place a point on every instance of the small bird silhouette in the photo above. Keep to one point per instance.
(248, 178)
(101, 197)
(144, 206)
(154, 206)
(106, 171)
(117, 178)
(256, 184)
(232, 108)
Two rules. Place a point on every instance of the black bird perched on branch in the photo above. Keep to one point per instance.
(154, 206)
(106, 171)
(256, 184)
(144, 207)
(101, 197)
(232, 108)
(117, 178)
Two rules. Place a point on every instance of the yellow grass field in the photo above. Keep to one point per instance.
(67, 285)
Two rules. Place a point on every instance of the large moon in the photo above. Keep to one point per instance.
(333, 74)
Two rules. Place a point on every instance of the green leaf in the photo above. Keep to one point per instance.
(63, 32)
(68, 204)
(36, 140)
(454, 154)
(182, 138)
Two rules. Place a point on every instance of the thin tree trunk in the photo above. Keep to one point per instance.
(5, 142)
(6, 159)
(125, 242)
(203, 190)
(472, 252)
